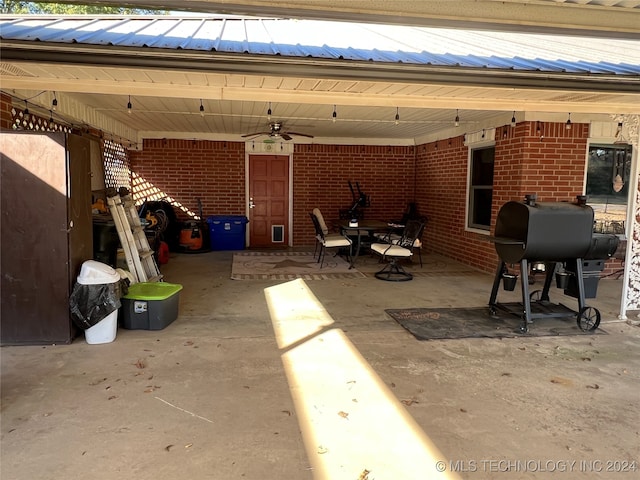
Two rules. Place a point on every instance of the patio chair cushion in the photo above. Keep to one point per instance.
(323, 224)
(338, 240)
(391, 250)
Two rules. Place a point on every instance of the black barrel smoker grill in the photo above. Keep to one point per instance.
(555, 234)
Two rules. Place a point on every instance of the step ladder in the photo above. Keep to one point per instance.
(140, 259)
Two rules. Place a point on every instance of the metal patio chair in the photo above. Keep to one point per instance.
(326, 241)
(395, 251)
(391, 236)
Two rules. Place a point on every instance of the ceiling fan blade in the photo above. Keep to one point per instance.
(285, 136)
(300, 134)
(255, 134)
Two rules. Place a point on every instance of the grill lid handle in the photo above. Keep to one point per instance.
(506, 241)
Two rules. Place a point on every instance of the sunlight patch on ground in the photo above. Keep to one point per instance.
(352, 425)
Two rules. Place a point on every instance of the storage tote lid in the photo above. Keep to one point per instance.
(238, 219)
(152, 290)
(96, 273)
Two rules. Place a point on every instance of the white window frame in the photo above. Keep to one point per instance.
(605, 143)
(476, 141)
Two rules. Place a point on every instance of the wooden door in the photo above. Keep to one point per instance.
(38, 217)
(80, 219)
(268, 201)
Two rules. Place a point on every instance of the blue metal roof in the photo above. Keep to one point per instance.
(392, 44)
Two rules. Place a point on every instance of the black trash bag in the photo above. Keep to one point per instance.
(90, 304)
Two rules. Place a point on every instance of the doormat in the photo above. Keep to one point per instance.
(451, 323)
(289, 266)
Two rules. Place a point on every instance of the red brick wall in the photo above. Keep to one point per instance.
(441, 182)
(186, 170)
(5, 112)
(549, 163)
(322, 173)
(553, 161)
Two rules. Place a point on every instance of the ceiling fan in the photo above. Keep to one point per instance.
(276, 131)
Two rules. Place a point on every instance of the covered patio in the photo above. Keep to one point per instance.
(302, 379)
(194, 101)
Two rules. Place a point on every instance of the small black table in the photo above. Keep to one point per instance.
(366, 226)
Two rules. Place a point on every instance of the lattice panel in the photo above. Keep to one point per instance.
(29, 121)
(631, 292)
(117, 167)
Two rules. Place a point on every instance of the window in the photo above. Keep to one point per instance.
(607, 188)
(480, 188)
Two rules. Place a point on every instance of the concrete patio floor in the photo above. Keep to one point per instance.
(324, 385)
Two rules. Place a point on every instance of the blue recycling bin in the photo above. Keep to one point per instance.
(227, 232)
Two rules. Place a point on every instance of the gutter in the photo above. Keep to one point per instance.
(307, 67)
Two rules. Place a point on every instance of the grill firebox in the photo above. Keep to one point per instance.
(543, 231)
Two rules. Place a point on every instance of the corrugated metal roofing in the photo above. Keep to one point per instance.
(338, 41)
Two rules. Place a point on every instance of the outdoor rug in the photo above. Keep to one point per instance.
(288, 266)
(451, 323)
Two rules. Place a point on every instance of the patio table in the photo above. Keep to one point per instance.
(367, 227)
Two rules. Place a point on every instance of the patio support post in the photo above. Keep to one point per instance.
(631, 282)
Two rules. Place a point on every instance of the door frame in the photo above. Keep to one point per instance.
(280, 148)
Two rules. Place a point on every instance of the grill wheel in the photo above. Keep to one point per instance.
(588, 319)
(536, 296)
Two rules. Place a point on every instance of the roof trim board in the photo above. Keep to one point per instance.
(214, 62)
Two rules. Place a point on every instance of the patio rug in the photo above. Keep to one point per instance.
(451, 323)
(288, 266)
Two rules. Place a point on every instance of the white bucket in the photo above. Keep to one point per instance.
(95, 273)
(104, 331)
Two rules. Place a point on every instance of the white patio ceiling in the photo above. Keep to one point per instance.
(166, 104)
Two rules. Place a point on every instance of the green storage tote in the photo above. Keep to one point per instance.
(150, 305)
